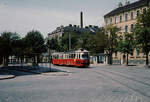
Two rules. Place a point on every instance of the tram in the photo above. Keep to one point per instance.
(79, 58)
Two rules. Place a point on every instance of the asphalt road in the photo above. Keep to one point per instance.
(94, 84)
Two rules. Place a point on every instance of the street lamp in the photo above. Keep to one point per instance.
(48, 45)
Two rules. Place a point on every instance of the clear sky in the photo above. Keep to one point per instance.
(22, 16)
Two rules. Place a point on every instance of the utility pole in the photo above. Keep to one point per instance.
(81, 19)
(49, 52)
(50, 59)
(69, 41)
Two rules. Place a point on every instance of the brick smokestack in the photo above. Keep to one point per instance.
(81, 18)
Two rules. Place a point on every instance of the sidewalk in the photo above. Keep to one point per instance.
(5, 75)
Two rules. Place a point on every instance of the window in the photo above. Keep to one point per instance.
(85, 56)
(132, 54)
(110, 20)
(126, 17)
(138, 52)
(120, 18)
(138, 13)
(126, 29)
(115, 54)
(132, 16)
(115, 20)
(132, 27)
(106, 21)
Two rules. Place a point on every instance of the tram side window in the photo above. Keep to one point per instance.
(74, 56)
(71, 55)
(55, 56)
(79, 56)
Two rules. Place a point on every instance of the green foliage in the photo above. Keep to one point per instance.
(83, 40)
(142, 33)
(19, 48)
(111, 41)
(34, 43)
(126, 44)
(100, 41)
(35, 46)
(64, 41)
(52, 44)
(95, 42)
(7, 44)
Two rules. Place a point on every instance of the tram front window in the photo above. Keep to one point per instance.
(85, 56)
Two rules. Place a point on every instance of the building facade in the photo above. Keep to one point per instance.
(125, 17)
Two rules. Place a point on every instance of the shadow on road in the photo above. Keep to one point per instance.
(27, 70)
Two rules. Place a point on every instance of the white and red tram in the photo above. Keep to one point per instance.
(77, 58)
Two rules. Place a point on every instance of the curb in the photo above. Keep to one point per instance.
(56, 74)
(7, 77)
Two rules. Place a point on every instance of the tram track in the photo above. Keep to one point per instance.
(128, 77)
(111, 75)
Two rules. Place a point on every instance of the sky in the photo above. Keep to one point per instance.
(22, 16)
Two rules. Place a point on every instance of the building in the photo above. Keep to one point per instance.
(125, 17)
(73, 28)
(59, 32)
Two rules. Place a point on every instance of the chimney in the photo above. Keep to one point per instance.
(120, 4)
(81, 18)
(127, 2)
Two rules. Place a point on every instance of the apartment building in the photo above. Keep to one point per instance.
(125, 17)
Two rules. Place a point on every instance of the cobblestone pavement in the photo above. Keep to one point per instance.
(94, 84)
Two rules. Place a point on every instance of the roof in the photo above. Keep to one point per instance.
(137, 4)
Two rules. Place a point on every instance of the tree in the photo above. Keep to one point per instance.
(126, 44)
(7, 45)
(95, 42)
(52, 44)
(91, 44)
(19, 49)
(34, 45)
(100, 41)
(142, 33)
(64, 41)
(83, 40)
(111, 41)
(1, 51)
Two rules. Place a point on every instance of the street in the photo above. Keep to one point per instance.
(101, 83)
